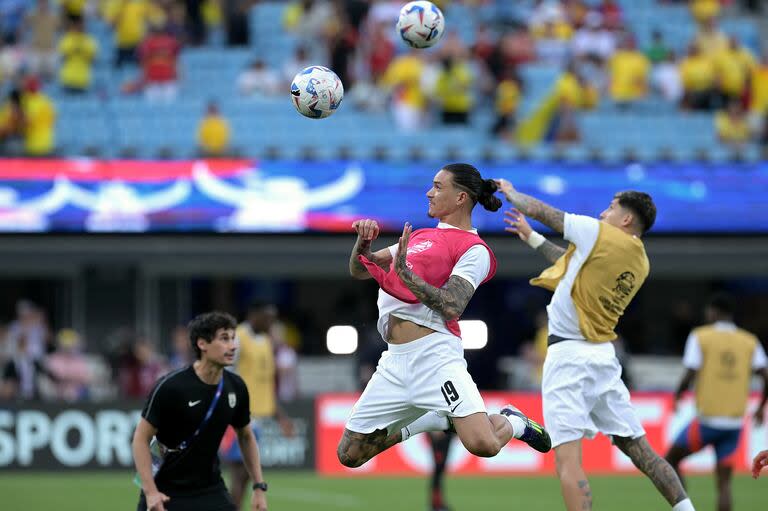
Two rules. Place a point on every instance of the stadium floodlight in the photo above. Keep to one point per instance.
(341, 339)
(474, 334)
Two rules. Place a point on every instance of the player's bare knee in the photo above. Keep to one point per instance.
(349, 456)
(483, 447)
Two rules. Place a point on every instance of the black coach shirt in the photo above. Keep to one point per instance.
(176, 407)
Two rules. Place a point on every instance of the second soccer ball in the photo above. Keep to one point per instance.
(421, 24)
(316, 92)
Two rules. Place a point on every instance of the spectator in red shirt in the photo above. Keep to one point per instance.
(158, 55)
(381, 50)
(612, 14)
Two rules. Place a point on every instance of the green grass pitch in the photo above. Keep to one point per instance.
(86, 491)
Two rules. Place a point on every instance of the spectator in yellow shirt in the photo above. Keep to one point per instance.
(12, 124)
(732, 125)
(507, 101)
(734, 68)
(629, 70)
(403, 79)
(697, 72)
(453, 90)
(131, 19)
(40, 120)
(759, 97)
(77, 50)
(573, 90)
(213, 132)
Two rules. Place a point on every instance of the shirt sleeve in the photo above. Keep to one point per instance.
(692, 357)
(474, 265)
(242, 415)
(158, 398)
(581, 230)
(759, 360)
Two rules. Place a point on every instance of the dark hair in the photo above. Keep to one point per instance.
(641, 204)
(722, 303)
(205, 326)
(468, 178)
(259, 304)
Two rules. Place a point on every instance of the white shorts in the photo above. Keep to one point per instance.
(428, 374)
(583, 393)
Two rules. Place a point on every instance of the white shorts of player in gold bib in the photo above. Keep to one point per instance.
(428, 374)
(583, 393)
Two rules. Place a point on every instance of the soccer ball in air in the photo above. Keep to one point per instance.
(316, 92)
(421, 24)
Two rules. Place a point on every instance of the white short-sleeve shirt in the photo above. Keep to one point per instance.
(473, 266)
(582, 231)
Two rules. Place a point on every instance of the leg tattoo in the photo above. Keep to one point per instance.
(357, 448)
(652, 465)
(586, 493)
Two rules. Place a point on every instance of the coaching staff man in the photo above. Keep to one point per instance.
(176, 441)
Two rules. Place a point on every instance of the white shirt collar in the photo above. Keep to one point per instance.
(443, 225)
(724, 325)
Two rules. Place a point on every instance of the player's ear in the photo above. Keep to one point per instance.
(628, 219)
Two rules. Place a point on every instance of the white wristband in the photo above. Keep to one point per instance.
(535, 240)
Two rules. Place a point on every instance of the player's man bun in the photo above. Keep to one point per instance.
(488, 197)
(468, 178)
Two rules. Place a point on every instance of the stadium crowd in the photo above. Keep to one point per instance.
(38, 363)
(48, 52)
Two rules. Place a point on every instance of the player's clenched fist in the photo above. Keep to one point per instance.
(367, 229)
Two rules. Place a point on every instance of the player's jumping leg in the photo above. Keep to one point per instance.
(357, 448)
(573, 481)
(657, 469)
(485, 435)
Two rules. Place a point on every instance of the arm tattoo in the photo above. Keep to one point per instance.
(363, 247)
(652, 465)
(449, 300)
(551, 251)
(538, 210)
(356, 268)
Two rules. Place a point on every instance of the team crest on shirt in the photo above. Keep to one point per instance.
(232, 399)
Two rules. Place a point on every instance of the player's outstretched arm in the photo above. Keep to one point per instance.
(532, 207)
(520, 226)
(367, 230)
(449, 300)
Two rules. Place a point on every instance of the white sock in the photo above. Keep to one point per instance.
(684, 505)
(430, 421)
(518, 425)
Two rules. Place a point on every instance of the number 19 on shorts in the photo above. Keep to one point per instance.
(450, 393)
